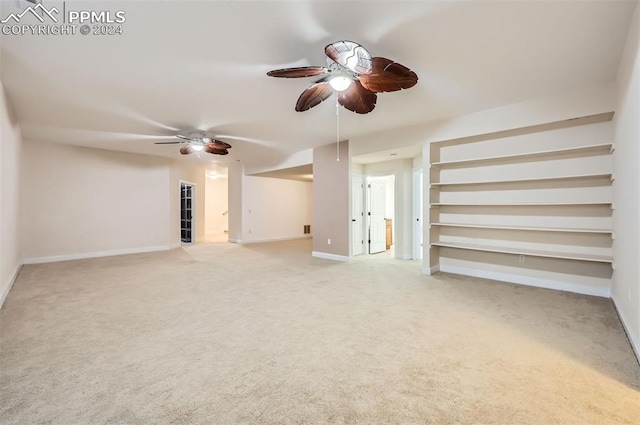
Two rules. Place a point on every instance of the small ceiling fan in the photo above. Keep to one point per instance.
(353, 74)
(197, 142)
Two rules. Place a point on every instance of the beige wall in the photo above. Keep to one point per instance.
(81, 202)
(235, 174)
(626, 189)
(275, 209)
(263, 209)
(331, 197)
(10, 152)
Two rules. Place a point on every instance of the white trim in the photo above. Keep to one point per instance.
(247, 242)
(430, 270)
(418, 213)
(406, 257)
(635, 344)
(6, 290)
(95, 254)
(327, 256)
(529, 281)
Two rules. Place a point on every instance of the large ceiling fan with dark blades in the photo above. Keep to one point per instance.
(353, 74)
(198, 142)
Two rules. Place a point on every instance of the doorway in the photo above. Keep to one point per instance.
(187, 192)
(380, 213)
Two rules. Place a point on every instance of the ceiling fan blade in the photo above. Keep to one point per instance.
(214, 150)
(358, 99)
(186, 150)
(387, 75)
(349, 55)
(180, 136)
(166, 143)
(218, 144)
(313, 96)
(299, 72)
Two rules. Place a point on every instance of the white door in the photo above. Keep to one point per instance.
(357, 215)
(377, 223)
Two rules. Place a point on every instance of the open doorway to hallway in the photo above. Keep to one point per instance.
(380, 206)
(216, 216)
(403, 203)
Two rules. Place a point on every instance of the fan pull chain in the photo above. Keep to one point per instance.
(337, 130)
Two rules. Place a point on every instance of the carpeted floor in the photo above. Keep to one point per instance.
(264, 334)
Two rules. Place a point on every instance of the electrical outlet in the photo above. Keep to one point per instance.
(521, 258)
(328, 241)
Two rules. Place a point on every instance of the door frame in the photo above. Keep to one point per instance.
(378, 175)
(363, 222)
(418, 213)
(193, 210)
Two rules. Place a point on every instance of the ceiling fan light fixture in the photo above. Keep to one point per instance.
(198, 147)
(340, 83)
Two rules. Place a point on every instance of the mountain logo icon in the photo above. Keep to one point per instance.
(34, 11)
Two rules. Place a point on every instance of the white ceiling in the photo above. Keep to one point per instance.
(183, 65)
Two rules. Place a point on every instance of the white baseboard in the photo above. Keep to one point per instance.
(406, 257)
(327, 256)
(635, 344)
(430, 270)
(7, 289)
(95, 254)
(529, 281)
(250, 241)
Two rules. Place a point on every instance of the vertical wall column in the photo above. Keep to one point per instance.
(235, 201)
(331, 196)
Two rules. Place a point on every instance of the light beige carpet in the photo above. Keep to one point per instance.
(265, 334)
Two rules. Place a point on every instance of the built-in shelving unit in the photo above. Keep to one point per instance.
(544, 194)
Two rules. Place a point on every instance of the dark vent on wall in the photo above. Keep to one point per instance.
(307, 229)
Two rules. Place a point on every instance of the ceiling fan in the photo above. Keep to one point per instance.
(353, 74)
(197, 142)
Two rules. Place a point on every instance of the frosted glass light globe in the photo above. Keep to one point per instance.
(340, 83)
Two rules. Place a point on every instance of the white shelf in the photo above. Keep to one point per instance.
(530, 252)
(521, 204)
(538, 179)
(591, 149)
(532, 229)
